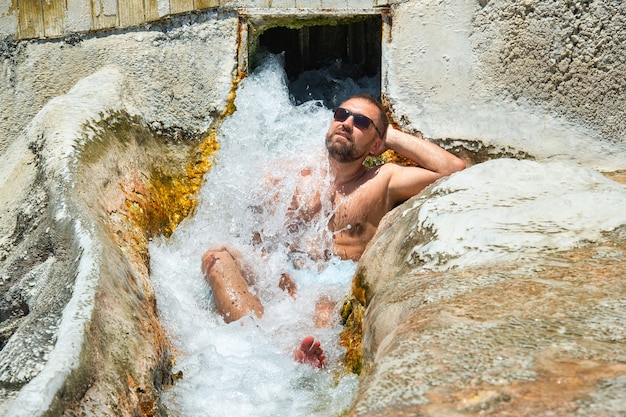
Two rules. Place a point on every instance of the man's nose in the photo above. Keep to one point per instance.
(350, 124)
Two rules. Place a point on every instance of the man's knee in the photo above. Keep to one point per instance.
(231, 293)
(212, 256)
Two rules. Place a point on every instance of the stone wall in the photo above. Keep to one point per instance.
(80, 196)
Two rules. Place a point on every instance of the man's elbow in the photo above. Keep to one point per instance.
(455, 165)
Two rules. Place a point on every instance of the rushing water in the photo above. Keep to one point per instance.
(502, 210)
(246, 368)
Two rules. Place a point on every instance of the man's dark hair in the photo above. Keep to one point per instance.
(383, 121)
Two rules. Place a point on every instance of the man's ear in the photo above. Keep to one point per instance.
(378, 147)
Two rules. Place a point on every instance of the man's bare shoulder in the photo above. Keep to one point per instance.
(382, 172)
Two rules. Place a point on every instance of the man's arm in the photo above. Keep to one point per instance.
(434, 162)
(425, 153)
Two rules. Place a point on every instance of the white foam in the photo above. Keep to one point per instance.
(246, 367)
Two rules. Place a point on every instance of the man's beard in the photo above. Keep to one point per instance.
(341, 152)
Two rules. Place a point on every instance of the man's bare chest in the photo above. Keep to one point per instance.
(358, 211)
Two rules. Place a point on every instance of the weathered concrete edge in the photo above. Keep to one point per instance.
(61, 143)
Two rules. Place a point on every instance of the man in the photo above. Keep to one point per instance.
(360, 197)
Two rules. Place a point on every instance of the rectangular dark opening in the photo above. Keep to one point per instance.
(356, 46)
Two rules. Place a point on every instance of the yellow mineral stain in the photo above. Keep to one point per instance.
(618, 176)
(351, 336)
(175, 197)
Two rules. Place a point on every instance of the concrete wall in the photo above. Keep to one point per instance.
(26, 19)
(178, 74)
(545, 77)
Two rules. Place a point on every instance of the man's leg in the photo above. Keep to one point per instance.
(223, 273)
(324, 309)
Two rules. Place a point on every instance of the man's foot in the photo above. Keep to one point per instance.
(310, 353)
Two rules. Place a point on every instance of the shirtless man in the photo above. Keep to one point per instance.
(361, 196)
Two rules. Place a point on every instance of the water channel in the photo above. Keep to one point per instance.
(246, 368)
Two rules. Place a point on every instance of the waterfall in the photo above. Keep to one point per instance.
(246, 367)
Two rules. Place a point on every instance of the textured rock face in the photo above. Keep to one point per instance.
(83, 188)
(536, 334)
(540, 76)
(518, 344)
(561, 55)
(177, 74)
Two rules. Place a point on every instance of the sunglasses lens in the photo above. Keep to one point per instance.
(362, 122)
(341, 114)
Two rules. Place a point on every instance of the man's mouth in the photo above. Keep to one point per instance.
(344, 134)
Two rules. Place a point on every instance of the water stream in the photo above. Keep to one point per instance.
(246, 368)
(499, 211)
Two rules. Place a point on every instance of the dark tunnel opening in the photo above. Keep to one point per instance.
(348, 50)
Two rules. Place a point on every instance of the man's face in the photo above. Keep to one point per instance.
(345, 141)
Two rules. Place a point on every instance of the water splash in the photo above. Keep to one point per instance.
(246, 367)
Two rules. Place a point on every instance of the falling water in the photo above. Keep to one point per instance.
(246, 367)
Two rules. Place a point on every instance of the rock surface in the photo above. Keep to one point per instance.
(541, 334)
(83, 189)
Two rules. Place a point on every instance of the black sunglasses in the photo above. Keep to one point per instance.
(360, 121)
